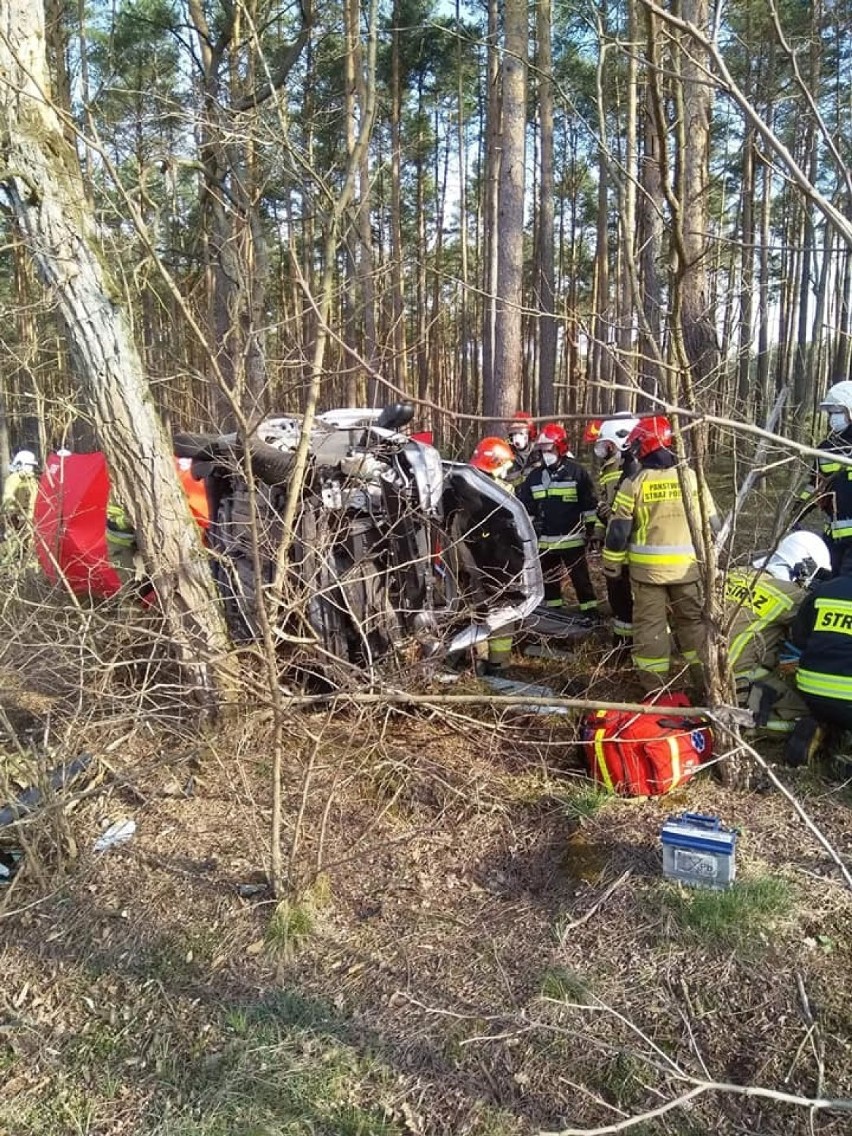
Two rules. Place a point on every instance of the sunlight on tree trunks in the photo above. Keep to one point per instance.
(42, 183)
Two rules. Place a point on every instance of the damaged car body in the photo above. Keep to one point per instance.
(395, 553)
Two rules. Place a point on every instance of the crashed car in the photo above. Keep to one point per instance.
(393, 548)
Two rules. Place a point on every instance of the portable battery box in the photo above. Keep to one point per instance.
(699, 851)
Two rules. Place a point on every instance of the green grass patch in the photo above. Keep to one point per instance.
(291, 925)
(622, 1079)
(586, 801)
(565, 985)
(743, 915)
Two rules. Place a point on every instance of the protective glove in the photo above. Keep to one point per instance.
(610, 570)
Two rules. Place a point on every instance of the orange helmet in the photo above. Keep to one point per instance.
(648, 435)
(593, 430)
(491, 454)
(554, 435)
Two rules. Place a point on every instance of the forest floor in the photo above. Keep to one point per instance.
(481, 942)
(478, 943)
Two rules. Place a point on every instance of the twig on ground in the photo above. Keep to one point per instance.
(699, 1088)
(596, 906)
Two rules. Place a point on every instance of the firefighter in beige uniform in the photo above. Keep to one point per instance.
(761, 603)
(19, 491)
(610, 442)
(649, 529)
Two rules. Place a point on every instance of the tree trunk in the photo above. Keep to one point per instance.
(491, 201)
(545, 250)
(745, 400)
(627, 225)
(398, 335)
(501, 400)
(699, 332)
(45, 195)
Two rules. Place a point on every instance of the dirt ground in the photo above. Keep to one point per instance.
(478, 942)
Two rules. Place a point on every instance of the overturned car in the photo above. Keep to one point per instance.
(395, 552)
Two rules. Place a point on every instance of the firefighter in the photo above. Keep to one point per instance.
(610, 448)
(822, 630)
(830, 487)
(496, 458)
(122, 549)
(19, 491)
(524, 455)
(560, 497)
(649, 531)
(760, 606)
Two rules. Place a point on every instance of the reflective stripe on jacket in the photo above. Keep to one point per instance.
(831, 485)
(823, 629)
(119, 529)
(562, 501)
(762, 609)
(649, 527)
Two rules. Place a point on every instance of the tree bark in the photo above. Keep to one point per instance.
(546, 289)
(699, 332)
(490, 204)
(502, 398)
(43, 185)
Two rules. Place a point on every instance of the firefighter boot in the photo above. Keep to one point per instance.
(804, 743)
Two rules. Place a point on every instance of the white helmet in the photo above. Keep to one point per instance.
(617, 430)
(839, 395)
(799, 556)
(25, 461)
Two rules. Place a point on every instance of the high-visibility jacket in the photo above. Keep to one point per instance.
(761, 610)
(831, 485)
(823, 630)
(120, 532)
(649, 528)
(613, 471)
(19, 496)
(562, 502)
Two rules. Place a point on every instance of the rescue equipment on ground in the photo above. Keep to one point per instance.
(645, 754)
(699, 851)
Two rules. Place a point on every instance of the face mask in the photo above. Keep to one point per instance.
(838, 420)
(520, 441)
(549, 457)
(502, 472)
(601, 449)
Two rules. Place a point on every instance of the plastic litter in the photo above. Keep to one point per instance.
(118, 833)
(528, 689)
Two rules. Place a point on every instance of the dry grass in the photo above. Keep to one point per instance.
(420, 978)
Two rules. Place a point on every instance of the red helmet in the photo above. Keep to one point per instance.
(593, 430)
(522, 423)
(648, 435)
(492, 453)
(554, 435)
